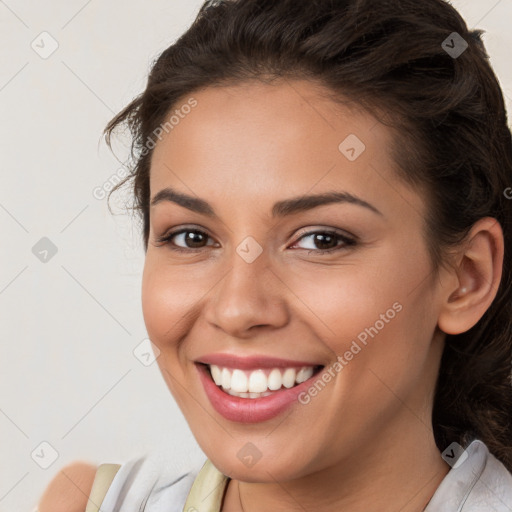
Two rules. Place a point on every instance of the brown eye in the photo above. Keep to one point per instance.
(188, 239)
(326, 241)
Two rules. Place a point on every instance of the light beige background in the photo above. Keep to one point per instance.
(70, 325)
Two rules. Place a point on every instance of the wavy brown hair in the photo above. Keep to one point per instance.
(451, 142)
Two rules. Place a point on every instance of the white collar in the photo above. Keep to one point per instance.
(480, 483)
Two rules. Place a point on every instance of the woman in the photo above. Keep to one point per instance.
(323, 190)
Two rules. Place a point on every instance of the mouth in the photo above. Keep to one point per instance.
(252, 390)
(261, 382)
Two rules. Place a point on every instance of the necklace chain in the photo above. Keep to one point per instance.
(243, 509)
(240, 497)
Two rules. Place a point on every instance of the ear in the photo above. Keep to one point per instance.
(475, 279)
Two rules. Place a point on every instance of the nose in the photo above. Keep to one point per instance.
(249, 297)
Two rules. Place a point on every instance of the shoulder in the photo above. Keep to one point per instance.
(69, 489)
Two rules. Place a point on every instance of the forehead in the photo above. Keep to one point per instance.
(256, 139)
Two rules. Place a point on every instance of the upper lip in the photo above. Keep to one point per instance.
(252, 362)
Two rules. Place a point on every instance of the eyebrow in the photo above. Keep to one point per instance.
(280, 209)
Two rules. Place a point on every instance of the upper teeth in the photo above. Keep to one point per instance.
(258, 381)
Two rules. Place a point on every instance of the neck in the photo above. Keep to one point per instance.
(401, 471)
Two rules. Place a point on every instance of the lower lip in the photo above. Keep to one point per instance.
(250, 410)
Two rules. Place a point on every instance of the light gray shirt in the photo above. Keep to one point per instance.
(480, 483)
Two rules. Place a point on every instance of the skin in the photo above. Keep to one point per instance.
(69, 489)
(365, 442)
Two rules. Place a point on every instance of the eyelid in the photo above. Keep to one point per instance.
(171, 233)
(303, 231)
(182, 227)
(310, 230)
(347, 239)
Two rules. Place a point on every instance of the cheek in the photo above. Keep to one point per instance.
(341, 302)
(383, 306)
(158, 305)
(165, 304)
(167, 294)
(159, 311)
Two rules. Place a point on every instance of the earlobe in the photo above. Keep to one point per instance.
(478, 275)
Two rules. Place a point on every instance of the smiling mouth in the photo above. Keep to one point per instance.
(260, 382)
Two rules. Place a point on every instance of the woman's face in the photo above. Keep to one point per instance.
(263, 284)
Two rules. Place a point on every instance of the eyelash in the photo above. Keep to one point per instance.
(347, 241)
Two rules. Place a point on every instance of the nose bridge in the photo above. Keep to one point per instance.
(247, 295)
